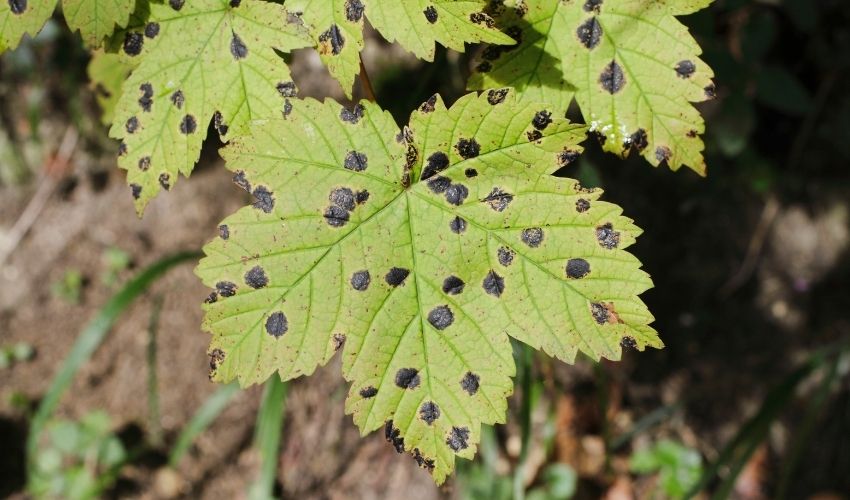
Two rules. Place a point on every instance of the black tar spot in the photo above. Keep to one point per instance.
(396, 276)
(498, 199)
(356, 161)
(216, 359)
(441, 317)
(582, 205)
(368, 392)
(505, 256)
(226, 288)
(457, 439)
(710, 91)
(612, 78)
(590, 33)
(287, 108)
(592, 6)
(256, 278)
(429, 105)
(144, 163)
(484, 67)
(136, 191)
(18, 6)
(220, 126)
(567, 157)
(456, 194)
(133, 43)
(265, 200)
(354, 115)
(238, 47)
(470, 383)
(393, 435)
(493, 284)
(468, 148)
(685, 68)
(481, 18)
(496, 96)
(122, 148)
(176, 4)
(338, 341)
(599, 312)
(577, 268)
(435, 163)
(336, 216)
(152, 30)
(188, 125)
(165, 181)
(132, 125)
(439, 184)
(607, 237)
(354, 10)
(334, 37)
(470, 173)
(360, 280)
(628, 342)
(224, 231)
(429, 412)
(240, 180)
(430, 14)
(457, 225)
(532, 236)
(235, 3)
(407, 378)
(177, 99)
(287, 89)
(343, 198)
(361, 197)
(637, 141)
(663, 154)
(453, 285)
(277, 324)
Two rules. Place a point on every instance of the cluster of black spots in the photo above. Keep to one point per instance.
(692, 133)
(122, 148)
(393, 436)
(505, 256)
(216, 359)
(224, 231)
(534, 135)
(226, 288)
(277, 324)
(177, 99)
(470, 383)
(133, 43)
(628, 342)
(136, 191)
(435, 164)
(286, 89)
(396, 276)
(430, 14)
(425, 463)
(368, 392)
(144, 163)
(146, 100)
(238, 48)
(235, 3)
(607, 237)
(188, 125)
(354, 10)
(439, 184)
(256, 278)
(542, 119)
(343, 201)
(498, 199)
(338, 341)
(219, 124)
(176, 4)
(453, 285)
(241, 180)
(592, 6)
(663, 155)
(470, 173)
(430, 105)
(356, 161)
(407, 378)
(482, 18)
(493, 284)
(577, 268)
(352, 116)
(567, 157)
(457, 439)
(152, 30)
(637, 141)
(600, 313)
(496, 96)
(361, 197)
(710, 91)
(441, 317)
(468, 148)
(589, 33)
(685, 68)
(265, 200)
(456, 194)
(18, 6)
(429, 412)
(582, 205)
(334, 38)
(532, 236)
(360, 280)
(287, 108)
(165, 181)
(132, 125)
(612, 78)
(457, 225)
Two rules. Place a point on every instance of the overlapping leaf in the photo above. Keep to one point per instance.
(337, 25)
(107, 72)
(633, 67)
(417, 253)
(200, 60)
(22, 17)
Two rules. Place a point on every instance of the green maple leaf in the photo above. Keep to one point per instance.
(20, 17)
(418, 253)
(97, 19)
(337, 28)
(632, 66)
(199, 60)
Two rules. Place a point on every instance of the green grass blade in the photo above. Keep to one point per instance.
(92, 336)
(205, 415)
(267, 438)
(526, 358)
(154, 424)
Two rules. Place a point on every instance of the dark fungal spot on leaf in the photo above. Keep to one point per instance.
(592, 6)
(710, 91)
(256, 278)
(470, 173)
(356, 161)
(132, 125)
(368, 392)
(336, 216)
(607, 237)
(470, 383)
(637, 141)
(441, 317)
(136, 191)
(422, 461)
(439, 184)
(577, 268)
(226, 288)
(133, 43)
(393, 436)
(534, 135)
(484, 67)
(176, 4)
(685, 68)
(396, 276)
(456, 194)
(352, 116)
(152, 30)
(146, 100)
(277, 324)
(238, 48)
(612, 78)
(628, 342)
(144, 163)
(468, 148)
(532, 236)
(497, 96)
(331, 41)
(407, 378)
(165, 181)
(188, 125)
(453, 285)
(582, 205)
(430, 105)
(493, 284)
(354, 10)
(235, 3)
(122, 148)
(567, 157)
(343, 198)
(663, 155)
(218, 123)
(482, 18)
(505, 256)
(360, 280)
(338, 341)
(224, 231)
(216, 359)
(457, 439)
(430, 14)
(361, 197)
(17, 6)
(598, 135)
(429, 412)
(457, 225)
(287, 89)
(692, 133)
(240, 180)
(435, 163)
(498, 199)
(265, 200)
(590, 33)
(287, 108)
(212, 298)
(601, 314)
(177, 99)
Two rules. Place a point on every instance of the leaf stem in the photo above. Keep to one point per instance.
(366, 83)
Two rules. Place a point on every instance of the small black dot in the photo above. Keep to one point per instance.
(456, 194)
(354, 10)
(238, 48)
(224, 231)
(407, 378)
(435, 163)
(165, 181)
(177, 99)
(235, 3)
(468, 148)
(607, 237)
(577, 268)
(361, 197)
(226, 288)
(600, 313)
(628, 342)
(368, 392)
(353, 116)
(287, 89)
(431, 14)
(133, 43)
(176, 4)
(132, 125)
(277, 324)
(493, 284)
(429, 412)
(532, 236)
(592, 6)
(136, 191)
(18, 6)
(241, 180)
(439, 184)
(441, 317)
(582, 205)
(567, 157)
(470, 173)
(612, 78)
(122, 148)
(360, 280)
(637, 141)
(430, 105)
(287, 108)
(498, 199)
(256, 278)
(457, 439)
(505, 255)
(685, 69)
(542, 120)
(590, 33)
(496, 96)
(265, 199)
(152, 30)
(356, 161)
(453, 285)
(188, 125)
(470, 383)
(457, 225)
(144, 163)
(396, 276)
(218, 123)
